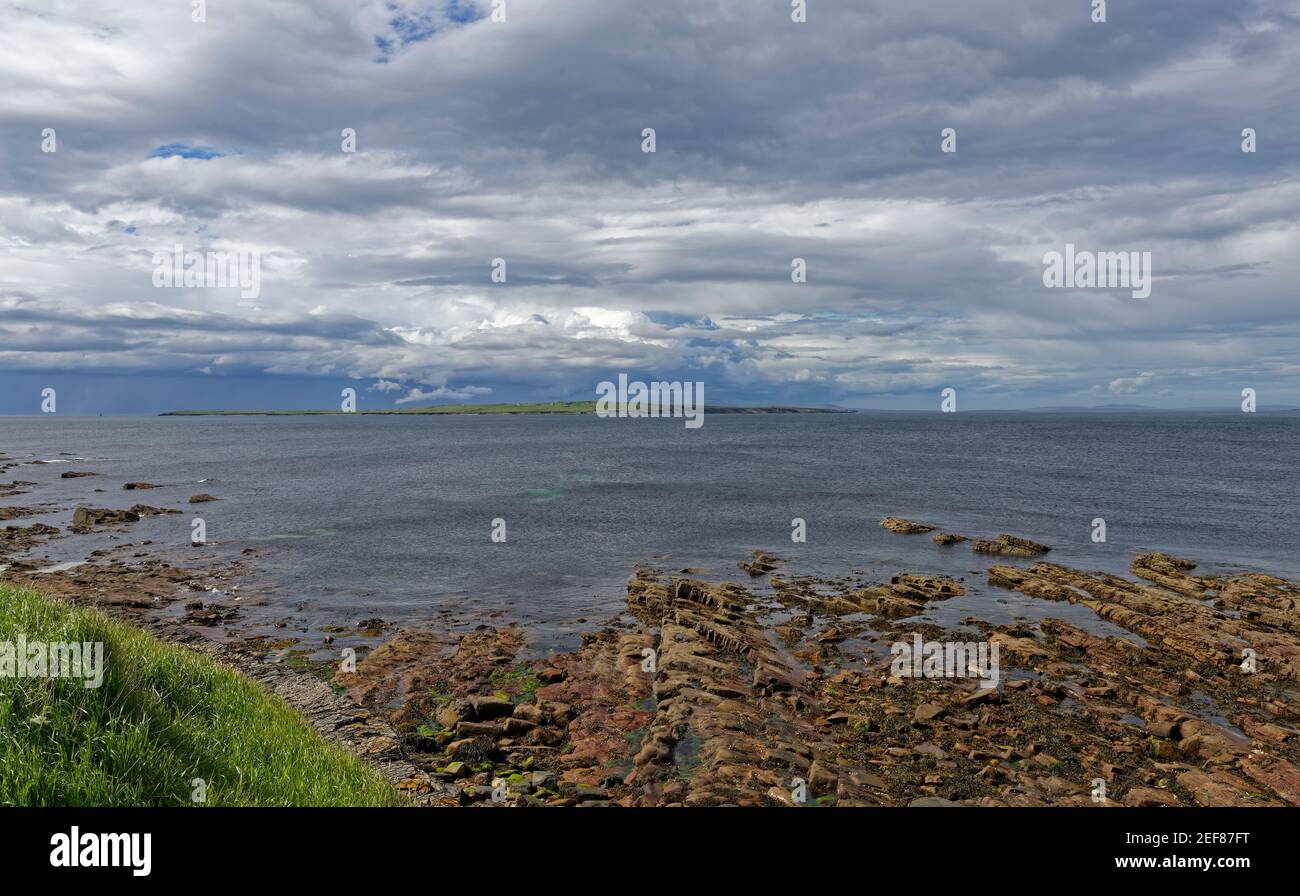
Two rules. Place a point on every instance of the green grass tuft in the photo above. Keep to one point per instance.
(163, 717)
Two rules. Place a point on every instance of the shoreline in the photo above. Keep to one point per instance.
(738, 704)
(168, 718)
(750, 689)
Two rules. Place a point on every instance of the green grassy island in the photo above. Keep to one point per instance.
(545, 407)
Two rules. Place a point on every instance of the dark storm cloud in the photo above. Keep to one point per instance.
(775, 141)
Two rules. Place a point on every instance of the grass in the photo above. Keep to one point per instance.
(163, 717)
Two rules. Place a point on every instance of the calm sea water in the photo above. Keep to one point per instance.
(356, 517)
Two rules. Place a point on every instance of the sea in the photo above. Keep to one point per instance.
(356, 517)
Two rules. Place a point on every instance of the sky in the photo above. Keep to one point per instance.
(523, 140)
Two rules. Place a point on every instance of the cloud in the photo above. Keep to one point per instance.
(444, 393)
(520, 140)
(1130, 385)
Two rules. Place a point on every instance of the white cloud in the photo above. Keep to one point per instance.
(444, 393)
(1130, 385)
(521, 141)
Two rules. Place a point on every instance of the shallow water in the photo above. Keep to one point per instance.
(357, 517)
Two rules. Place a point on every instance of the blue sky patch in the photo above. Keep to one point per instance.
(412, 26)
(185, 151)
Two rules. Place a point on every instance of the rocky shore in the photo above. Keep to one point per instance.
(130, 581)
(776, 690)
(708, 694)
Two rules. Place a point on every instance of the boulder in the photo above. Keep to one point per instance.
(904, 527)
(86, 518)
(488, 708)
(760, 564)
(146, 510)
(479, 729)
(1010, 546)
(472, 749)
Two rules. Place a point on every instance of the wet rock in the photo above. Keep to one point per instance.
(905, 595)
(530, 713)
(927, 712)
(136, 486)
(760, 564)
(1147, 797)
(732, 712)
(1275, 773)
(485, 708)
(479, 729)
(1167, 750)
(1269, 731)
(452, 714)
(518, 727)
(209, 616)
(202, 498)
(76, 474)
(823, 777)
(905, 527)
(479, 793)
(20, 538)
(146, 510)
(473, 750)
(1165, 617)
(1220, 788)
(1010, 546)
(11, 513)
(16, 487)
(85, 519)
(560, 712)
(982, 696)
(1164, 729)
(932, 751)
(584, 793)
(396, 671)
